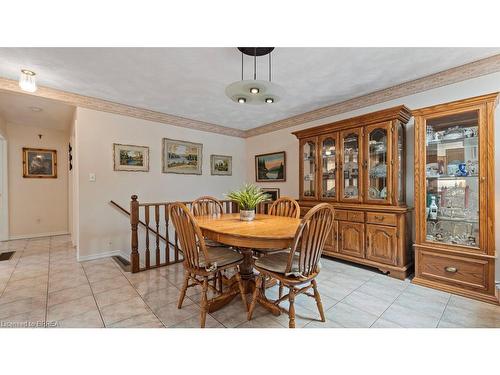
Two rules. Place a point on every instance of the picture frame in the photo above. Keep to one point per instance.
(39, 163)
(273, 192)
(130, 158)
(270, 167)
(182, 157)
(221, 165)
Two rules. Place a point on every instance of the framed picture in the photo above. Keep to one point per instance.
(273, 192)
(130, 158)
(39, 163)
(221, 165)
(181, 157)
(270, 167)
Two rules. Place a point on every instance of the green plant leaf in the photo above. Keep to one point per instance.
(248, 197)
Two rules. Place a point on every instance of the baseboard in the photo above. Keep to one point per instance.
(85, 258)
(38, 235)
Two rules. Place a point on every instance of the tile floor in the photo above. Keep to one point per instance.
(44, 286)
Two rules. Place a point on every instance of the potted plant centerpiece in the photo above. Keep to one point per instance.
(247, 199)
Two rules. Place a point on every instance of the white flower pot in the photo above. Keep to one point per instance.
(247, 215)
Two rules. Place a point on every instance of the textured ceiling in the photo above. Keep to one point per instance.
(16, 108)
(190, 82)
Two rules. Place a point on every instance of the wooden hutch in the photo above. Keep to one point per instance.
(454, 197)
(358, 165)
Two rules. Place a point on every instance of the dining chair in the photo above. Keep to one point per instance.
(203, 264)
(204, 206)
(297, 270)
(287, 207)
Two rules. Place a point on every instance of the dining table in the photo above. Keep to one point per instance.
(265, 232)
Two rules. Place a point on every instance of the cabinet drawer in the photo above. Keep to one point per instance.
(460, 271)
(357, 216)
(341, 215)
(381, 218)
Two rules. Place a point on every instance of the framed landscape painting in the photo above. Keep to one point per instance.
(221, 165)
(182, 157)
(39, 163)
(274, 193)
(270, 167)
(130, 158)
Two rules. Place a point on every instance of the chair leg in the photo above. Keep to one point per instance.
(204, 303)
(242, 289)
(220, 282)
(317, 297)
(258, 283)
(280, 290)
(291, 311)
(183, 290)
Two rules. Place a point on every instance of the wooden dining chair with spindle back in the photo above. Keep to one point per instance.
(202, 264)
(287, 207)
(297, 270)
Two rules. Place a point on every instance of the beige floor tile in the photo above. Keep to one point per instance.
(69, 294)
(194, 322)
(386, 293)
(349, 316)
(113, 296)
(34, 318)
(159, 298)
(108, 284)
(12, 294)
(485, 317)
(367, 303)
(409, 318)
(21, 274)
(382, 323)
(429, 305)
(31, 282)
(171, 315)
(327, 324)
(148, 320)
(303, 316)
(89, 319)
(22, 306)
(68, 309)
(235, 313)
(264, 321)
(148, 286)
(123, 310)
(66, 283)
(102, 274)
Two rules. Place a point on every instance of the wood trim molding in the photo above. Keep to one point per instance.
(461, 73)
(120, 109)
(447, 77)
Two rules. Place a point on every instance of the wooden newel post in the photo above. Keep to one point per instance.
(134, 222)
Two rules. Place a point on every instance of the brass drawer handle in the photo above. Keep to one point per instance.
(451, 269)
(381, 218)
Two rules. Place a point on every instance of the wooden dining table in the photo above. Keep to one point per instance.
(264, 232)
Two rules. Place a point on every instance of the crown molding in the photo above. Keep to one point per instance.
(120, 109)
(460, 73)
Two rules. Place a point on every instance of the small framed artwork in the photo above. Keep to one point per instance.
(130, 158)
(270, 167)
(39, 163)
(274, 193)
(182, 157)
(221, 165)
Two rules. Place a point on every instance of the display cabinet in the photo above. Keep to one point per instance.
(358, 166)
(454, 197)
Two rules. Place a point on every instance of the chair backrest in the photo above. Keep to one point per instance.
(285, 207)
(207, 206)
(310, 239)
(190, 237)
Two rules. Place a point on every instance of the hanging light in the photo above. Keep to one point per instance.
(254, 91)
(27, 80)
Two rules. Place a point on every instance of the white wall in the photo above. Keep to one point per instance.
(4, 170)
(37, 207)
(101, 228)
(284, 140)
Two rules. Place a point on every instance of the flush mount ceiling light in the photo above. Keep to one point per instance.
(27, 80)
(254, 91)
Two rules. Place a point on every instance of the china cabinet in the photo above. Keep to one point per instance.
(358, 166)
(454, 197)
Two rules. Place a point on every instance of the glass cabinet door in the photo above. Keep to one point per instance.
(401, 162)
(378, 163)
(452, 179)
(309, 169)
(328, 167)
(351, 184)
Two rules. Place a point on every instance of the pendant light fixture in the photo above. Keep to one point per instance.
(254, 91)
(27, 80)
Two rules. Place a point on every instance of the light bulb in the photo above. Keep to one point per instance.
(254, 90)
(269, 100)
(27, 80)
(242, 100)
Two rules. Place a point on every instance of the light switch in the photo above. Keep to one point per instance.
(92, 177)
